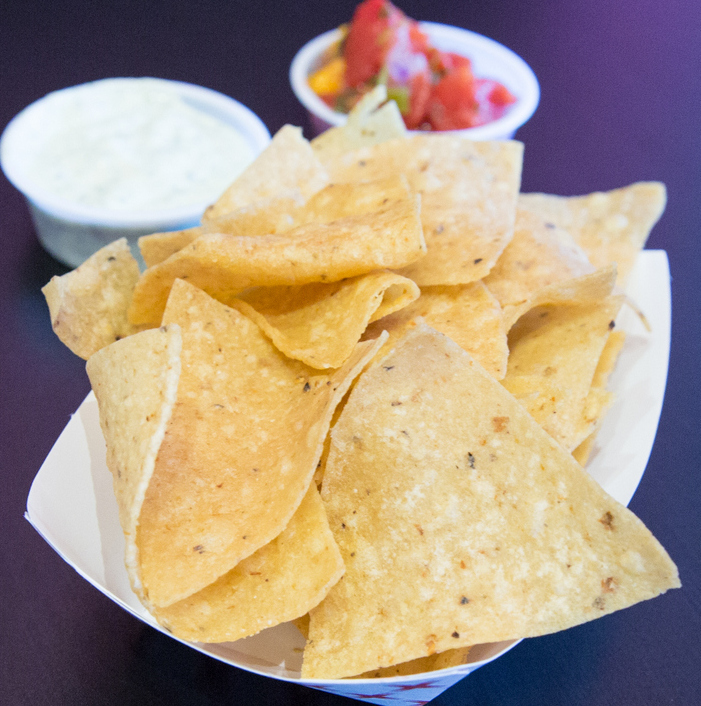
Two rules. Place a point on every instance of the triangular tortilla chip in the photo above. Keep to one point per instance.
(467, 313)
(553, 354)
(272, 215)
(224, 265)
(468, 198)
(287, 166)
(278, 583)
(610, 226)
(582, 453)
(135, 382)
(442, 660)
(278, 213)
(587, 288)
(460, 521)
(240, 449)
(320, 324)
(331, 203)
(89, 305)
(157, 247)
(538, 255)
(369, 123)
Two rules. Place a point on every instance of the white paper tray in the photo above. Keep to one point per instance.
(72, 505)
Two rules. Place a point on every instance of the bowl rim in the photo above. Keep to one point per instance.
(506, 125)
(240, 116)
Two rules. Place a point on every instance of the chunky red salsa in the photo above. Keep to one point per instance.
(435, 90)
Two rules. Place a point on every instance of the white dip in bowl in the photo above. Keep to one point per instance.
(125, 156)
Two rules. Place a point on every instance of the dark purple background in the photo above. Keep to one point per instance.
(621, 102)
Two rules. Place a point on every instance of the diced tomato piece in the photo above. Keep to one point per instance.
(436, 60)
(457, 61)
(369, 39)
(501, 95)
(419, 95)
(443, 62)
(452, 105)
(419, 39)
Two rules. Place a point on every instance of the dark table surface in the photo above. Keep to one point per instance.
(621, 102)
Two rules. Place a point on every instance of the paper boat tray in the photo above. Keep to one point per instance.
(71, 503)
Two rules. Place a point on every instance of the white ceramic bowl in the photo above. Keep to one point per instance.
(489, 60)
(72, 232)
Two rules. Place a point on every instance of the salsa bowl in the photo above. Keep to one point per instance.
(489, 60)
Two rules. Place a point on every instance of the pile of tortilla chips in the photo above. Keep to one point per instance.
(359, 394)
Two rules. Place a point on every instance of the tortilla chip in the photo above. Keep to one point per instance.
(609, 357)
(600, 399)
(320, 324)
(553, 355)
(467, 313)
(610, 226)
(468, 198)
(596, 404)
(321, 467)
(570, 420)
(443, 660)
(539, 255)
(332, 203)
(587, 288)
(89, 305)
(157, 247)
(278, 583)
(286, 167)
(369, 123)
(135, 382)
(224, 265)
(604, 368)
(461, 521)
(272, 215)
(240, 449)
(582, 453)
(302, 624)
(338, 201)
